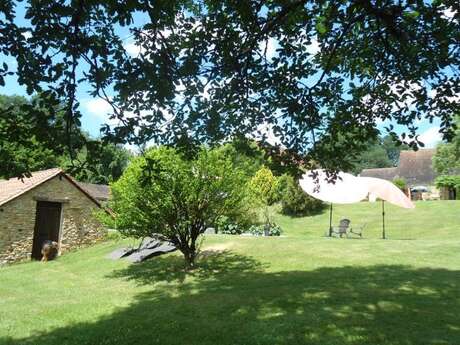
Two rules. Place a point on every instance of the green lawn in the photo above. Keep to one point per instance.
(302, 288)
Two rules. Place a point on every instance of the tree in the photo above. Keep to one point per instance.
(309, 71)
(101, 166)
(446, 161)
(393, 149)
(295, 202)
(164, 193)
(245, 155)
(263, 187)
(379, 153)
(21, 143)
(26, 147)
(374, 156)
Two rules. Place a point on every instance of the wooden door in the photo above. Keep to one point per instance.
(47, 225)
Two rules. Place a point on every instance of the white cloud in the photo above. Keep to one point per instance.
(269, 47)
(449, 13)
(27, 35)
(132, 48)
(430, 137)
(97, 106)
(100, 108)
(266, 130)
(314, 47)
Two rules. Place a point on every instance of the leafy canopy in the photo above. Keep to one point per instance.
(319, 74)
(295, 202)
(28, 145)
(263, 185)
(163, 193)
(379, 153)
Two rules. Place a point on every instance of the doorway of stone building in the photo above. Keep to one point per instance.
(47, 225)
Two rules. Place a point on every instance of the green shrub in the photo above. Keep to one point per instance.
(295, 202)
(449, 181)
(400, 183)
(259, 230)
(226, 225)
(231, 229)
(281, 187)
(263, 186)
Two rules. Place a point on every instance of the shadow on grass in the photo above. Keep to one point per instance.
(212, 264)
(230, 299)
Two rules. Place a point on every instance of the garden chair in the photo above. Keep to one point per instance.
(342, 229)
(358, 230)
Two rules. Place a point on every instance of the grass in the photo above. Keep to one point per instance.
(299, 289)
(430, 220)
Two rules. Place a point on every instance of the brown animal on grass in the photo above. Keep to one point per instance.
(49, 250)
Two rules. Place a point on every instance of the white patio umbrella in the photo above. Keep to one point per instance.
(386, 191)
(346, 189)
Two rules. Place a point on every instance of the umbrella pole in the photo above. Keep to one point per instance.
(383, 219)
(330, 221)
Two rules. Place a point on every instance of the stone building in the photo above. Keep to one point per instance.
(49, 205)
(414, 166)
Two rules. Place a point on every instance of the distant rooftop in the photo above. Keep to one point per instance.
(414, 166)
(383, 173)
(100, 192)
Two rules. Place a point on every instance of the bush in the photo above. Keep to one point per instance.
(449, 181)
(295, 202)
(259, 230)
(400, 183)
(226, 225)
(263, 186)
(231, 229)
(281, 187)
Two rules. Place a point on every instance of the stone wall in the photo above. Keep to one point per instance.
(17, 219)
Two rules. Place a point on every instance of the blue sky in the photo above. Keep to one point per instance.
(95, 111)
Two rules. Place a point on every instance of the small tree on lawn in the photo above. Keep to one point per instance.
(263, 187)
(163, 193)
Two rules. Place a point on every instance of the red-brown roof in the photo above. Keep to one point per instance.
(100, 192)
(414, 166)
(14, 187)
(383, 173)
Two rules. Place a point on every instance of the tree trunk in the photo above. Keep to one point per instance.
(189, 248)
(189, 252)
(189, 258)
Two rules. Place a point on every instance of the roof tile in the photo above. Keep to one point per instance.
(10, 189)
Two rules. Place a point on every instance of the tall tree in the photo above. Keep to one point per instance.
(28, 145)
(310, 71)
(393, 149)
(101, 166)
(22, 137)
(379, 153)
(446, 161)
